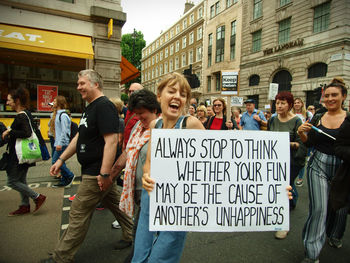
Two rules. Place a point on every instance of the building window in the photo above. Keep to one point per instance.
(220, 44)
(199, 33)
(199, 53)
(157, 72)
(149, 75)
(166, 53)
(200, 12)
(321, 17)
(190, 57)
(165, 67)
(317, 70)
(166, 37)
(177, 64)
(284, 31)
(184, 40)
(256, 41)
(230, 2)
(177, 30)
(191, 38)
(184, 24)
(284, 2)
(191, 19)
(257, 9)
(217, 8)
(157, 56)
(212, 11)
(171, 66)
(172, 33)
(217, 82)
(160, 70)
(152, 73)
(152, 60)
(233, 40)
(254, 80)
(171, 49)
(177, 46)
(209, 84)
(157, 43)
(183, 60)
(210, 48)
(161, 55)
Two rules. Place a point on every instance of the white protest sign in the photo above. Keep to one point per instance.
(229, 83)
(219, 181)
(237, 101)
(273, 91)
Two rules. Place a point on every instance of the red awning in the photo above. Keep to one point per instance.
(129, 72)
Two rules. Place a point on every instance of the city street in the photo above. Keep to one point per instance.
(30, 238)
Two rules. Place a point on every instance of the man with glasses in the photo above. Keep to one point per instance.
(130, 118)
(252, 119)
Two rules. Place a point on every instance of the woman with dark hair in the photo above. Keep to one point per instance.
(18, 100)
(321, 169)
(146, 107)
(287, 121)
(218, 121)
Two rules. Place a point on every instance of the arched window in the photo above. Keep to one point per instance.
(317, 70)
(254, 80)
(284, 79)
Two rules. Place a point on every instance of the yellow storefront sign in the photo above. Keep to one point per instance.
(48, 42)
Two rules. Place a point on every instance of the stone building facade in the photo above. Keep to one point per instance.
(221, 45)
(297, 44)
(176, 48)
(59, 20)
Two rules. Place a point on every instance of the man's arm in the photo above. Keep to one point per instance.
(109, 152)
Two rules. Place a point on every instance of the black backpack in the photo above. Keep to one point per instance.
(73, 127)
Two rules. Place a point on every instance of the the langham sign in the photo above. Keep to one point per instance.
(296, 43)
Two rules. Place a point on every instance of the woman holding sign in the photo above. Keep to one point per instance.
(173, 94)
(289, 122)
(321, 133)
(218, 121)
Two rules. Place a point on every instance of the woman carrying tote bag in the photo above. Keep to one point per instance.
(17, 173)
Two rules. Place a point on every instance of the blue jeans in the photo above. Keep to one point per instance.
(67, 175)
(162, 246)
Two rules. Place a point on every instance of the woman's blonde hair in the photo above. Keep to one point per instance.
(61, 102)
(172, 79)
(202, 108)
(303, 109)
(118, 103)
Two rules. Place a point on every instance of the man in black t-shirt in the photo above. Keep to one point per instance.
(96, 146)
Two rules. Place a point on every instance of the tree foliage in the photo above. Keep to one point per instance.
(132, 45)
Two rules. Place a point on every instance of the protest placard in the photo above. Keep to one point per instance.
(219, 181)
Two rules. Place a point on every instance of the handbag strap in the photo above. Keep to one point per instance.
(30, 122)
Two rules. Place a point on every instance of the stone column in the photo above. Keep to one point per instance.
(108, 57)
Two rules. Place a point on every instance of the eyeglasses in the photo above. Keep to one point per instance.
(311, 108)
(217, 105)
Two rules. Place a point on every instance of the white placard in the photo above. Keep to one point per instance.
(219, 181)
(273, 91)
(237, 101)
(229, 83)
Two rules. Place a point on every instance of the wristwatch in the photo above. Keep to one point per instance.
(104, 175)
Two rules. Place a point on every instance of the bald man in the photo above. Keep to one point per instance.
(130, 118)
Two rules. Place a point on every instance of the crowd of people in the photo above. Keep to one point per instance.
(112, 144)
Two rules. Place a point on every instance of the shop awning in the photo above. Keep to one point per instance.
(48, 42)
(129, 72)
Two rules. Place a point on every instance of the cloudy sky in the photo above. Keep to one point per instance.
(151, 16)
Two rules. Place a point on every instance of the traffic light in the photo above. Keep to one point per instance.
(191, 78)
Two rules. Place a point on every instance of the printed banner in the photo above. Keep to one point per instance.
(219, 181)
(46, 94)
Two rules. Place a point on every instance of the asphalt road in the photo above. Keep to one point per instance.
(30, 238)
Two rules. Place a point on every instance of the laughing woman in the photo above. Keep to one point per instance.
(321, 169)
(173, 94)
